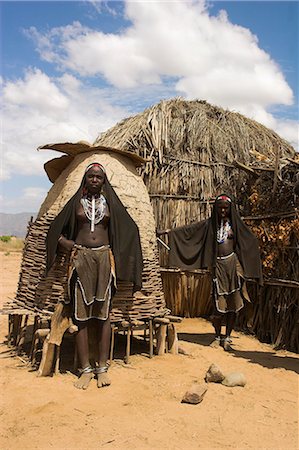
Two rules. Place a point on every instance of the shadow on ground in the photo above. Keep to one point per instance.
(271, 360)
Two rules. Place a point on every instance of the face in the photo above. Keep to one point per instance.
(94, 180)
(223, 209)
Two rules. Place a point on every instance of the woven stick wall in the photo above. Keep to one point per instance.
(197, 151)
(41, 294)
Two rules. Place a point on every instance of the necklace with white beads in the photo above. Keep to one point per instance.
(94, 209)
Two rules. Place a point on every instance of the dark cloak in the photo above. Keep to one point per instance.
(195, 246)
(123, 235)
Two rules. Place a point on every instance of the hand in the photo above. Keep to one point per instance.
(65, 243)
(161, 232)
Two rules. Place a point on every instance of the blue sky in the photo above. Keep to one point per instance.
(70, 70)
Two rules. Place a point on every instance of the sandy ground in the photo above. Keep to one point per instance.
(142, 408)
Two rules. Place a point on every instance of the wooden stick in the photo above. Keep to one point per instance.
(161, 339)
(112, 342)
(128, 346)
(151, 338)
(22, 335)
(175, 319)
(57, 359)
(279, 215)
(161, 320)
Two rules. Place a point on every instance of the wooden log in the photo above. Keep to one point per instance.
(46, 365)
(112, 342)
(39, 334)
(57, 359)
(161, 320)
(10, 328)
(137, 323)
(161, 339)
(174, 318)
(128, 346)
(16, 328)
(22, 334)
(151, 338)
(172, 338)
(60, 322)
(35, 327)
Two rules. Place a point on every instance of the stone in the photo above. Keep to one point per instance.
(214, 374)
(195, 394)
(182, 351)
(234, 379)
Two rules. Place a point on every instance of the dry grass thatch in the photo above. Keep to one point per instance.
(196, 151)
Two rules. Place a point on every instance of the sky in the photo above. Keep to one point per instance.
(72, 69)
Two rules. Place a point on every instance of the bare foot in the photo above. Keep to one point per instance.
(226, 345)
(84, 380)
(215, 343)
(103, 380)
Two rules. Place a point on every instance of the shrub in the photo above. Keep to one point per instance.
(5, 238)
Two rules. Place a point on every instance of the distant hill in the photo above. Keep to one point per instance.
(15, 224)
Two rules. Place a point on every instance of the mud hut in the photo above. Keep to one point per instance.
(42, 296)
(197, 150)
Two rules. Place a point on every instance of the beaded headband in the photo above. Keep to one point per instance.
(224, 198)
(95, 164)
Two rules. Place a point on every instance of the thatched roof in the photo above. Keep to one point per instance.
(195, 130)
(196, 150)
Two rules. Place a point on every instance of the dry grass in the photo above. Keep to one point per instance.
(13, 245)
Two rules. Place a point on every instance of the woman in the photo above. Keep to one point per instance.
(104, 244)
(226, 246)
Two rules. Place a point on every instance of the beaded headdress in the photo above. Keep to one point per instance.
(224, 198)
(95, 164)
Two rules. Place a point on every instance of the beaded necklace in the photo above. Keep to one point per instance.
(223, 231)
(94, 209)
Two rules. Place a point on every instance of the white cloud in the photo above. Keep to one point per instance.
(206, 57)
(212, 58)
(28, 199)
(38, 110)
(169, 48)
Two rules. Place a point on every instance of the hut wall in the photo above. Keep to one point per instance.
(197, 151)
(37, 292)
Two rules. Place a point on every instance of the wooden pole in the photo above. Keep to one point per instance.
(151, 338)
(112, 342)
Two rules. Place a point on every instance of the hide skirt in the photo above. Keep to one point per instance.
(229, 285)
(92, 273)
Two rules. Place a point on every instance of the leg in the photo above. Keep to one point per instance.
(217, 322)
(83, 354)
(104, 335)
(230, 322)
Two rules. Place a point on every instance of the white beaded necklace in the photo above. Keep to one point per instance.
(94, 209)
(223, 231)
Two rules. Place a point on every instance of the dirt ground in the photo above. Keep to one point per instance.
(142, 408)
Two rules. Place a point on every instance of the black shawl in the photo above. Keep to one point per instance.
(123, 235)
(195, 246)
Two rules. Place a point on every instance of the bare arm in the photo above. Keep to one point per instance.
(65, 243)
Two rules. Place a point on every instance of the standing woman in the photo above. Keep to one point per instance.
(227, 247)
(104, 245)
